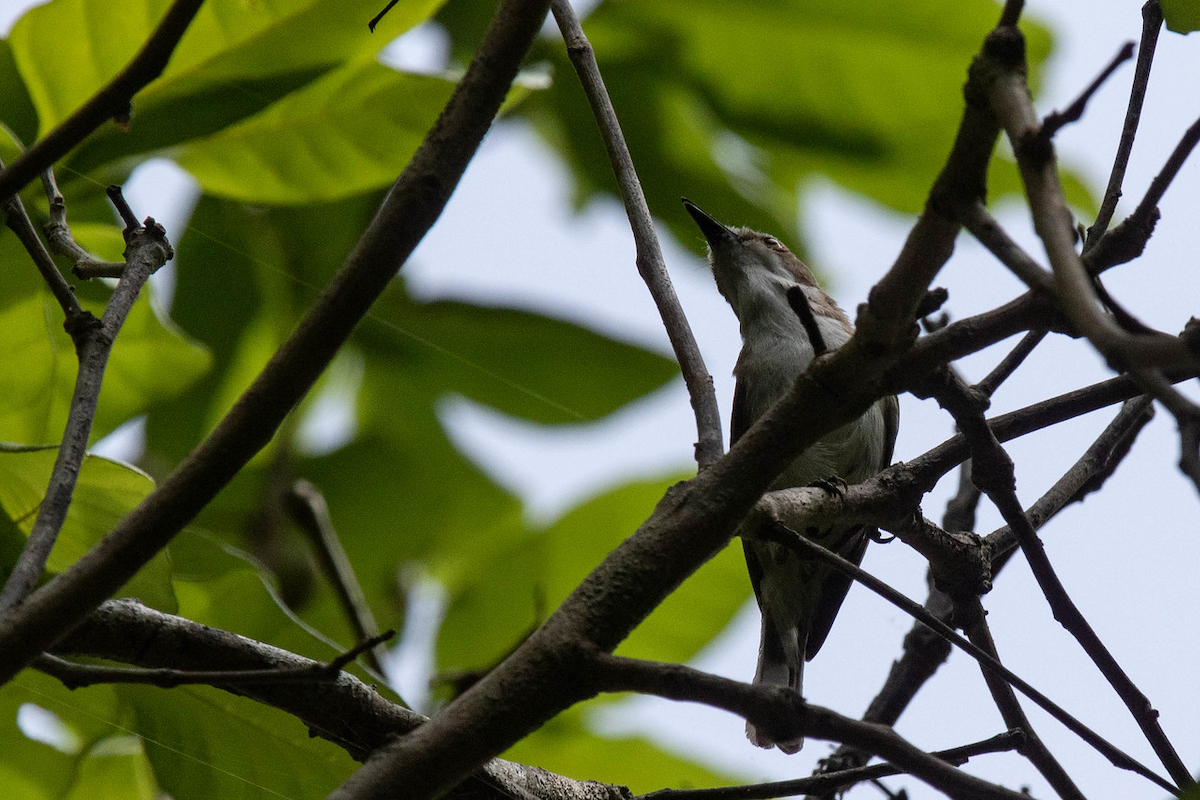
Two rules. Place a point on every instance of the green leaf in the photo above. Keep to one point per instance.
(511, 576)
(105, 492)
(229, 41)
(206, 743)
(346, 133)
(115, 769)
(1182, 16)
(738, 110)
(150, 362)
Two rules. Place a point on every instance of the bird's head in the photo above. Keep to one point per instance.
(746, 263)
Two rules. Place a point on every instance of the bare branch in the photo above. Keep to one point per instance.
(112, 101)
(1008, 365)
(983, 226)
(830, 783)
(1151, 24)
(18, 221)
(993, 472)
(1056, 120)
(309, 510)
(147, 249)
(969, 614)
(58, 234)
(74, 675)
(1117, 757)
(709, 445)
(1009, 97)
(783, 713)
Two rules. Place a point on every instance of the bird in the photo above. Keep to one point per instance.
(798, 598)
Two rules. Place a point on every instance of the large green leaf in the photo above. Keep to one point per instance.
(737, 110)
(104, 493)
(503, 580)
(206, 743)
(150, 362)
(229, 41)
(349, 132)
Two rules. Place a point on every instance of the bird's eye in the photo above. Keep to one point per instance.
(772, 242)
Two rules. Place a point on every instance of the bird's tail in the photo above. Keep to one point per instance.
(777, 667)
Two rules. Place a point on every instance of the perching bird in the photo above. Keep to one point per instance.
(798, 598)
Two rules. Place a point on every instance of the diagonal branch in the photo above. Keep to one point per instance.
(1151, 25)
(410, 209)
(783, 711)
(111, 101)
(993, 472)
(147, 249)
(651, 267)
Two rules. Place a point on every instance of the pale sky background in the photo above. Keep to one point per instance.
(1127, 556)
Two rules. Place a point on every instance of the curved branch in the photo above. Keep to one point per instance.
(111, 101)
(651, 267)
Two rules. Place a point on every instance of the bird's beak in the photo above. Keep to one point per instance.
(713, 231)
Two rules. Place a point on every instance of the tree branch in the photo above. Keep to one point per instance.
(994, 473)
(146, 250)
(1151, 24)
(709, 444)
(410, 209)
(18, 221)
(783, 713)
(110, 102)
(830, 783)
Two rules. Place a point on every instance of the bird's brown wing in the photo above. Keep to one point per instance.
(850, 544)
(739, 423)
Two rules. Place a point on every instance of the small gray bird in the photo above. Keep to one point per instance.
(798, 598)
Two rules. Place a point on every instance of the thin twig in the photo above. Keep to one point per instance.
(74, 675)
(1008, 365)
(830, 783)
(1115, 755)
(984, 227)
(17, 219)
(650, 265)
(1151, 24)
(970, 616)
(58, 234)
(309, 510)
(1085, 476)
(112, 101)
(798, 300)
(1147, 208)
(1187, 417)
(147, 249)
(1056, 120)
(994, 472)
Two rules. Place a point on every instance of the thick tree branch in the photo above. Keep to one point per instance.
(110, 102)
(345, 711)
(146, 250)
(410, 209)
(709, 444)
